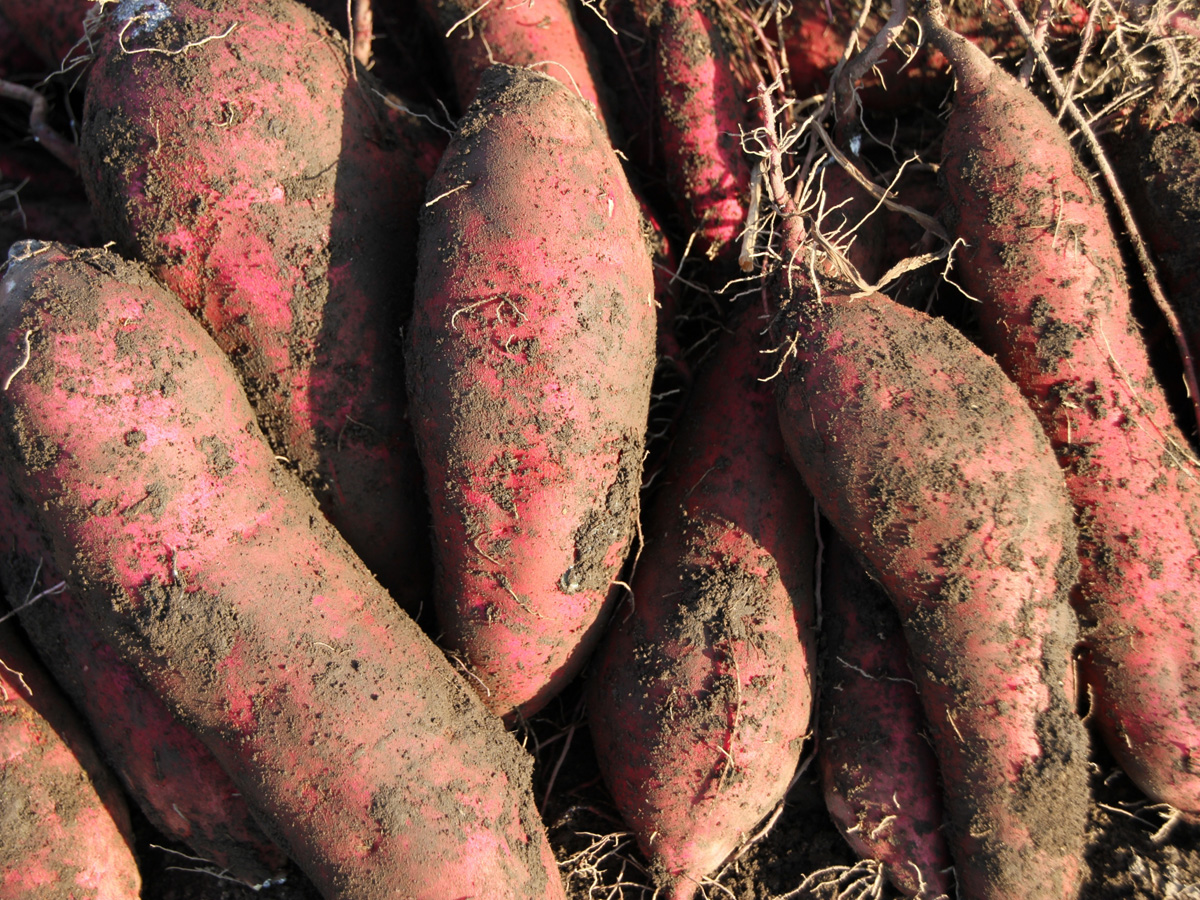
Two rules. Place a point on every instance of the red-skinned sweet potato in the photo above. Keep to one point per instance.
(701, 107)
(702, 692)
(357, 745)
(254, 176)
(164, 768)
(530, 353)
(543, 35)
(1043, 259)
(927, 460)
(878, 772)
(66, 829)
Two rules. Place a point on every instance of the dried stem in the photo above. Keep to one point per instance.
(1089, 34)
(362, 30)
(827, 102)
(862, 63)
(929, 223)
(1041, 30)
(793, 227)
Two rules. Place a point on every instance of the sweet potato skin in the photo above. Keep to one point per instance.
(163, 767)
(1056, 312)
(926, 459)
(878, 772)
(256, 180)
(544, 35)
(66, 829)
(701, 106)
(702, 692)
(213, 572)
(530, 356)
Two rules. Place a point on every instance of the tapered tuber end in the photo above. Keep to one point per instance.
(679, 887)
(972, 67)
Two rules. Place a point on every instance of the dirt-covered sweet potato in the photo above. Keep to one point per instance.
(701, 108)
(542, 35)
(702, 692)
(1043, 260)
(66, 828)
(163, 767)
(255, 177)
(878, 772)
(927, 460)
(530, 355)
(211, 569)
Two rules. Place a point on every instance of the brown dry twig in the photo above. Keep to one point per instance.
(1041, 30)
(793, 226)
(827, 103)
(1089, 34)
(862, 63)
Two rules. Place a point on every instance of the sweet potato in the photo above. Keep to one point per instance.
(878, 772)
(543, 35)
(66, 829)
(927, 460)
(1055, 310)
(701, 106)
(254, 176)
(213, 572)
(702, 692)
(530, 353)
(164, 768)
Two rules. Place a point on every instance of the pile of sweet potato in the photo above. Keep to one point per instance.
(391, 392)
